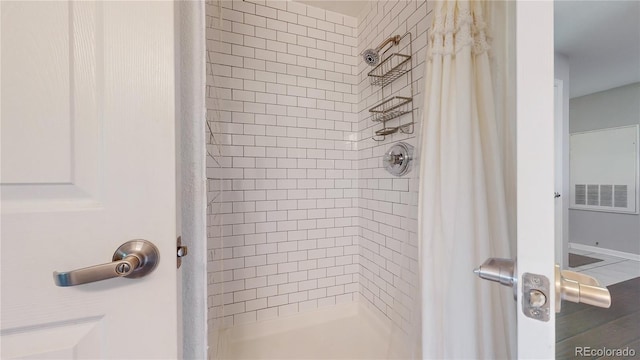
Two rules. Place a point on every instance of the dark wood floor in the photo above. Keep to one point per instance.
(576, 260)
(579, 325)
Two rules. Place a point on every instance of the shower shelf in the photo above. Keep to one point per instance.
(391, 108)
(386, 131)
(390, 69)
(404, 128)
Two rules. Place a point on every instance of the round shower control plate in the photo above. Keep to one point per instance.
(397, 160)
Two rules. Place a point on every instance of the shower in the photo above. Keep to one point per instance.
(290, 255)
(372, 56)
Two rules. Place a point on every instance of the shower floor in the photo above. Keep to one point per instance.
(345, 331)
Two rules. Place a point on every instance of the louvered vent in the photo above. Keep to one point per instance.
(581, 195)
(601, 195)
(606, 195)
(620, 196)
(592, 195)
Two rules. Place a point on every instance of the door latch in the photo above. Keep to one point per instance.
(535, 299)
(535, 303)
(181, 251)
(568, 285)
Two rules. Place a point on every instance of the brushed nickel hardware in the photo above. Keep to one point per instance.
(397, 160)
(372, 56)
(569, 286)
(502, 271)
(537, 298)
(534, 296)
(388, 69)
(181, 252)
(133, 259)
(391, 108)
(579, 288)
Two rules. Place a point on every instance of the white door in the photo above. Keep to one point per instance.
(88, 163)
(535, 169)
(541, 285)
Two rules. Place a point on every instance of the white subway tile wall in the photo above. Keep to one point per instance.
(388, 204)
(214, 189)
(302, 213)
(283, 228)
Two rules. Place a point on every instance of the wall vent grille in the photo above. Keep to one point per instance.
(620, 196)
(601, 195)
(581, 195)
(592, 195)
(606, 195)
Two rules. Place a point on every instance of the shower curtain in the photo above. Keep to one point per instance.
(462, 202)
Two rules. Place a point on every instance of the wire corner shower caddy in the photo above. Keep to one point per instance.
(391, 68)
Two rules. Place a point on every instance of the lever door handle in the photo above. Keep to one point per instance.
(580, 288)
(133, 259)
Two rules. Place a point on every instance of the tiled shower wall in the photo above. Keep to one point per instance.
(283, 227)
(302, 213)
(388, 204)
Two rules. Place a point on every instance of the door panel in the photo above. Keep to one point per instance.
(37, 90)
(50, 130)
(88, 163)
(78, 340)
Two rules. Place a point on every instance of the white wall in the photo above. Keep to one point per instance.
(388, 245)
(611, 108)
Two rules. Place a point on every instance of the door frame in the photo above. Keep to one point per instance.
(561, 139)
(190, 52)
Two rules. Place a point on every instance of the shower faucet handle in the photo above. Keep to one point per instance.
(393, 159)
(397, 160)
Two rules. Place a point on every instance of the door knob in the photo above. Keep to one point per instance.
(580, 288)
(133, 259)
(569, 286)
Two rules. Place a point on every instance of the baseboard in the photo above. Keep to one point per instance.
(599, 250)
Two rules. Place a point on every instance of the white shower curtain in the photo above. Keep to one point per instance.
(463, 216)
